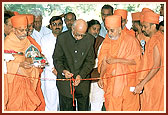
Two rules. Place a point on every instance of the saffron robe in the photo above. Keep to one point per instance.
(22, 82)
(116, 88)
(152, 98)
(38, 90)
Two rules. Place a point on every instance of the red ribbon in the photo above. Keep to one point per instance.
(72, 89)
(72, 79)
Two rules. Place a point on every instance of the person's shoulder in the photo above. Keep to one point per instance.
(47, 36)
(90, 37)
(157, 37)
(128, 36)
(8, 37)
(63, 34)
(45, 30)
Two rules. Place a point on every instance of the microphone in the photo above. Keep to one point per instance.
(143, 45)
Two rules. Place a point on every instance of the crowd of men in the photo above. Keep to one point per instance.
(91, 66)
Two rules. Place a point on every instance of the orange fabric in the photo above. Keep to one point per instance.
(18, 21)
(126, 47)
(142, 13)
(153, 95)
(151, 17)
(5, 92)
(21, 90)
(113, 21)
(136, 16)
(131, 32)
(121, 12)
(40, 95)
(146, 10)
(33, 41)
(41, 107)
(15, 13)
(30, 18)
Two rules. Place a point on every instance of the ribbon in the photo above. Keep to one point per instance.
(72, 90)
(73, 80)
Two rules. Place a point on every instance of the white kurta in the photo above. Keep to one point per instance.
(96, 93)
(48, 79)
(64, 29)
(103, 31)
(7, 58)
(38, 35)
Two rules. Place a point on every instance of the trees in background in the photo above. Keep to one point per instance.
(82, 10)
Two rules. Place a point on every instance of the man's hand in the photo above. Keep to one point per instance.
(100, 83)
(138, 88)
(25, 65)
(67, 74)
(54, 71)
(77, 80)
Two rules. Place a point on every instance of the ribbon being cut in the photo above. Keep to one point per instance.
(72, 79)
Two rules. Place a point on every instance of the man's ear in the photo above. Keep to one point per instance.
(4, 25)
(153, 26)
(126, 21)
(14, 30)
(119, 29)
(72, 28)
(50, 26)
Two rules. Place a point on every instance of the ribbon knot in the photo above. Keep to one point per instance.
(72, 89)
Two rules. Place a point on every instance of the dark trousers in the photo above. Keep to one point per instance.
(66, 103)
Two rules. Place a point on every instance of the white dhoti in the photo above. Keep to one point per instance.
(50, 91)
(48, 82)
(96, 97)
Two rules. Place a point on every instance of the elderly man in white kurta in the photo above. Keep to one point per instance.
(39, 30)
(49, 87)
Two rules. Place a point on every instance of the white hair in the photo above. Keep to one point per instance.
(36, 12)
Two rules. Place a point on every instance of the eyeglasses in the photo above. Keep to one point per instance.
(55, 24)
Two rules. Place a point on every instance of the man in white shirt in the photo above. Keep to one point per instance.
(106, 10)
(39, 31)
(49, 74)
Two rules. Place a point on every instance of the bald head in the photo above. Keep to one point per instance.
(80, 26)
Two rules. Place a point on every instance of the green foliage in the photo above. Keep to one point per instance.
(64, 8)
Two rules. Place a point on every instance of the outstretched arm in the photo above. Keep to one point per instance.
(111, 60)
(152, 73)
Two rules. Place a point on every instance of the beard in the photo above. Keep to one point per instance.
(147, 35)
(57, 31)
(135, 29)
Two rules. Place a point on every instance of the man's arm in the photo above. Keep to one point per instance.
(102, 72)
(112, 60)
(126, 61)
(152, 73)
